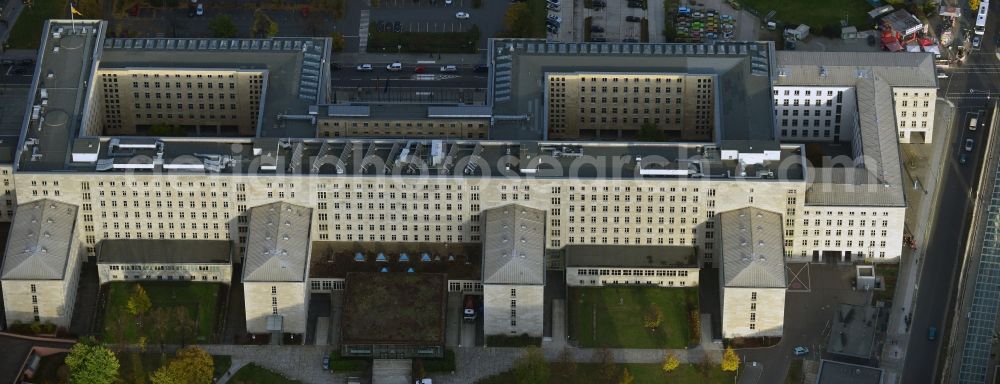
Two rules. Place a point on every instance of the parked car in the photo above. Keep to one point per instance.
(326, 362)
(963, 158)
(800, 351)
(394, 67)
(596, 28)
(968, 144)
(635, 4)
(555, 2)
(634, 19)
(449, 68)
(461, 15)
(364, 67)
(932, 331)
(977, 41)
(201, 10)
(447, 2)
(397, 27)
(554, 18)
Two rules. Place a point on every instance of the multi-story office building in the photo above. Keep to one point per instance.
(165, 260)
(752, 275)
(437, 191)
(603, 105)
(405, 121)
(599, 265)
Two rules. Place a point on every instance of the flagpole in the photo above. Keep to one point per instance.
(72, 20)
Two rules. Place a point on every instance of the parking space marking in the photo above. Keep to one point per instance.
(796, 277)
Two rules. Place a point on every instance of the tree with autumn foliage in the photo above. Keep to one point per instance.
(730, 362)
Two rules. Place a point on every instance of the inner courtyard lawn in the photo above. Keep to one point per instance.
(814, 13)
(200, 302)
(618, 314)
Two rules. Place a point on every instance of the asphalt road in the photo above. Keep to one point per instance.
(969, 87)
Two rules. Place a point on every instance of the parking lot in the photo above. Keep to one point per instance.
(605, 20)
(16, 71)
(436, 16)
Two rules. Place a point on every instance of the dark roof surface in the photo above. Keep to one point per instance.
(15, 352)
(335, 259)
(157, 251)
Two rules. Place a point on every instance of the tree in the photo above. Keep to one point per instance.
(192, 365)
(159, 325)
(222, 26)
(730, 362)
(263, 25)
(337, 43)
(92, 363)
(184, 323)
(606, 369)
(531, 368)
(670, 362)
(974, 5)
(517, 21)
(650, 132)
(626, 378)
(653, 317)
(138, 302)
(567, 367)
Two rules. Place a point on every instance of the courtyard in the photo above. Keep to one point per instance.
(814, 13)
(614, 317)
(181, 313)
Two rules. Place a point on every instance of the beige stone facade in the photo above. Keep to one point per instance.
(511, 310)
(914, 112)
(615, 105)
(212, 102)
(410, 128)
(212, 273)
(44, 300)
(664, 277)
(752, 312)
(286, 299)
(360, 208)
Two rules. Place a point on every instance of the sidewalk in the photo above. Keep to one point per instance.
(919, 214)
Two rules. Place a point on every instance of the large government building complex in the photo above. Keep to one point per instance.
(238, 140)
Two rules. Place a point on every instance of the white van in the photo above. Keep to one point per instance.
(973, 123)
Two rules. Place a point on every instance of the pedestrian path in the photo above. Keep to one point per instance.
(363, 31)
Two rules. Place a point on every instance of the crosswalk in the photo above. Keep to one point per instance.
(363, 31)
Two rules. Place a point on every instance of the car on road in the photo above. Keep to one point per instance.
(394, 67)
(201, 10)
(800, 351)
(932, 331)
(968, 144)
(977, 41)
(596, 28)
(635, 4)
(326, 362)
(973, 123)
(365, 67)
(633, 19)
(447, 2)
(963, 158)
(461, 15)
(942, 75)
(449, 68)
(419, 69)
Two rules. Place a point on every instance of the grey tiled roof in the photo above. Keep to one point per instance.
(513, 245)
(752, 249)
(278, 243)
(40, 240)
(900, 69)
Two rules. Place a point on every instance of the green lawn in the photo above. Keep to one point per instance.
(814, 13)
(889, 273)
(27, 31)
(201, 300)
(255, 374)
(619, 313)
(644, 373)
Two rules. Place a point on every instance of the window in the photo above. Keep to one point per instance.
(753, 296)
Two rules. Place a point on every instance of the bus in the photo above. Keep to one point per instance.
(984, 7)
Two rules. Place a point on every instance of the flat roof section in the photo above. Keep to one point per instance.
(62, 70)
(853, 331)
(164, 251)
(394, 308)
(833, 372)
(743, 70)
(335, 259)
(630, 256)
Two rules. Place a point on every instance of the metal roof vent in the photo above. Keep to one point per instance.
(285, 236)
(760, 243)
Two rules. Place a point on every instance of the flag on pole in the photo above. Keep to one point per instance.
(73, 10)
